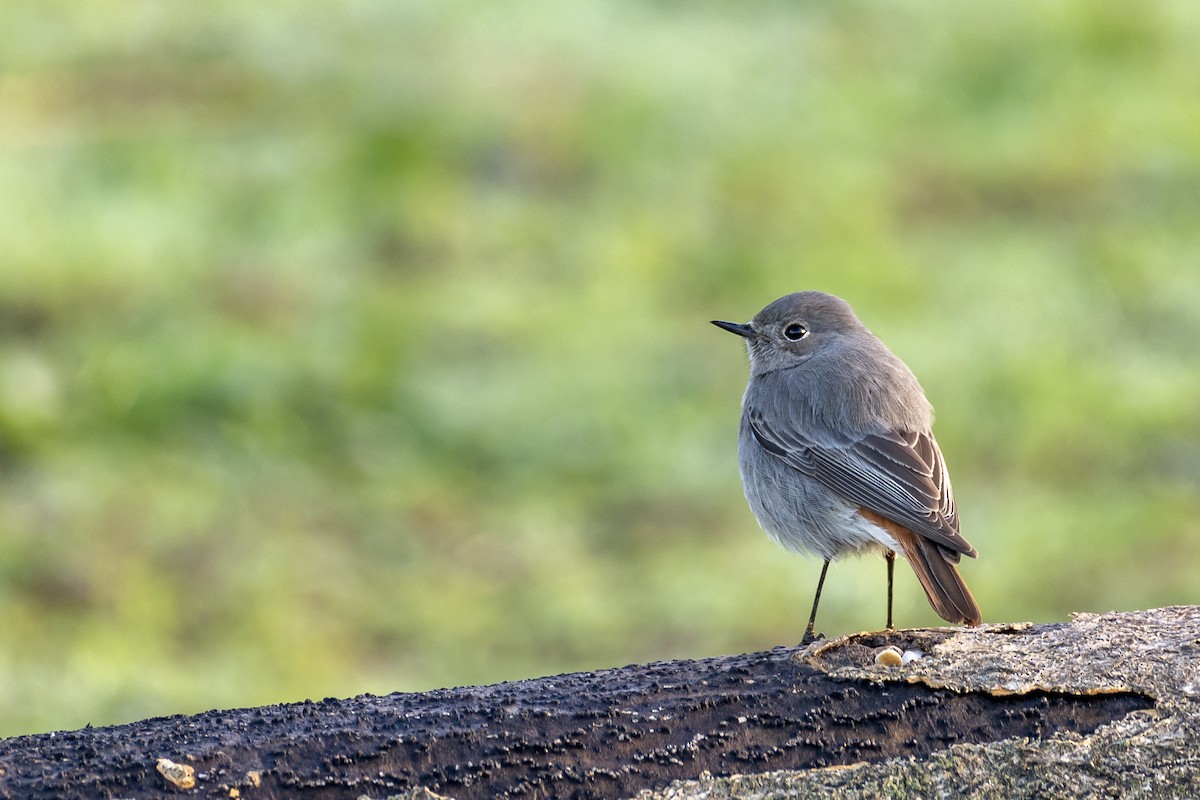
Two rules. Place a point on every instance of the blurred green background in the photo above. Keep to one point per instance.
(364, 347)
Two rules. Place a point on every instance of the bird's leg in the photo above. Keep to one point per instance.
(891, 564)
(809, 637)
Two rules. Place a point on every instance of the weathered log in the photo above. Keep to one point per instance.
(1102, 705)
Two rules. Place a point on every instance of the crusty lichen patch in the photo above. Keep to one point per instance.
(180, 776)
(1144, 652)
(1152, 754)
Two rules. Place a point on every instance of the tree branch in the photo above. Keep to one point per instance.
(978, 702)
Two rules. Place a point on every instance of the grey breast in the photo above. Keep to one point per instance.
(797, 511)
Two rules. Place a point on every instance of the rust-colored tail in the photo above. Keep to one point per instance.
(944, 587)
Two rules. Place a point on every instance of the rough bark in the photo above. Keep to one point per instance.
(1102, 706)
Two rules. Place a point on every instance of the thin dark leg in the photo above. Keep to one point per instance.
(809, 637)
(891, 564)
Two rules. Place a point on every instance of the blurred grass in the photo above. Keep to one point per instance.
(364, 347)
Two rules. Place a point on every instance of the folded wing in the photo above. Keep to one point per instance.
(899, 475)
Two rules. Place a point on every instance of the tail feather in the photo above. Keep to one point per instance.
(944, 587)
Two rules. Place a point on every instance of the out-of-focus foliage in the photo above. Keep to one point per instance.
(364, 347)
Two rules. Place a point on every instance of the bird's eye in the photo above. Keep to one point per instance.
(795, 332)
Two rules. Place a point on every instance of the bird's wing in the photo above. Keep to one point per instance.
(898, 475)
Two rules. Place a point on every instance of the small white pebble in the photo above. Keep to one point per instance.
(888, 656)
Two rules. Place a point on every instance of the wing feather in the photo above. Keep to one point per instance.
(899, 475)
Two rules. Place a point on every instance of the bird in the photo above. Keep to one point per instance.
(837, 454)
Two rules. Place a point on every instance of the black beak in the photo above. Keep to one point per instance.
(734, 327)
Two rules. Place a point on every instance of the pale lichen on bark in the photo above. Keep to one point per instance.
(1153, 753)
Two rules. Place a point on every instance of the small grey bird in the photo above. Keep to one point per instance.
(837, 454)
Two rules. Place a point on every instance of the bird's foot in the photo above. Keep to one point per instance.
(810, 637)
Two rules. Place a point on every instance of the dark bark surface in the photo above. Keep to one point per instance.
(603, 734)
